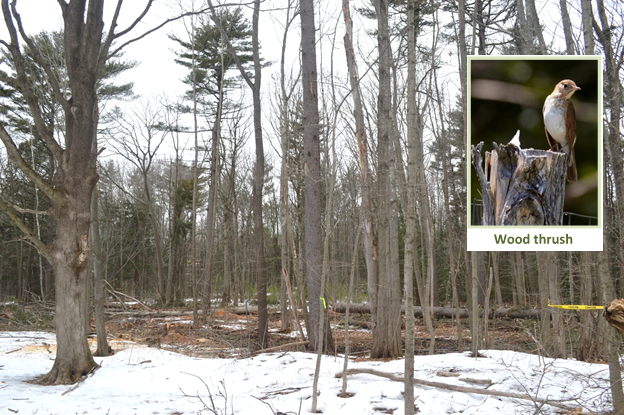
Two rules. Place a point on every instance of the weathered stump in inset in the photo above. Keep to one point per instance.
(521, 187)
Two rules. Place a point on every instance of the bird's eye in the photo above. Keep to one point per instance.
(565, 85)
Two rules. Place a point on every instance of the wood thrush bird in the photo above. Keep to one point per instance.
(560, 123)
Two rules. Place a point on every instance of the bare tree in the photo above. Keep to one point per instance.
(254, 85)
(138, 139)
(368, 225)
(312, 162)
(87, 49)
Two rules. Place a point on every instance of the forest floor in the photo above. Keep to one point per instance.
(164, 365)
(226, 334)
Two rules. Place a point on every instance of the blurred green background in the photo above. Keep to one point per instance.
(507, 95)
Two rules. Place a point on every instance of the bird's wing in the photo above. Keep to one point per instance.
(571, 125)
(551, 141)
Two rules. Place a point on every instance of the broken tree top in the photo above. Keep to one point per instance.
(521, 187)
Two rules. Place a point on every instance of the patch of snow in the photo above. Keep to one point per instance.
(143, 380)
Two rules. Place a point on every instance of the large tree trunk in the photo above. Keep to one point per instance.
(312, 166)
(75, 179)
(387, 328)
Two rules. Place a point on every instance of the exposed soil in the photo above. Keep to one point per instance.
(226, 334)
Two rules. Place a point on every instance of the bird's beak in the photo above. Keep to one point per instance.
(578, 88)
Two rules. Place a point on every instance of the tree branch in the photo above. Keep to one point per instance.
(172, 19)
(31, 211)
(457, 388)
(109, 40)
(24, 84)
(136, 21)
(41, 247)
(16, 157)
(39, 59)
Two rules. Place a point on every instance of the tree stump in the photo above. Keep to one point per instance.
(614, 314)
(521, 187)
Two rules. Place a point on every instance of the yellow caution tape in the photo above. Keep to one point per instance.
(576, 306)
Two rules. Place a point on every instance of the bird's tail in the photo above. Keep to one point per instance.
(572, 174)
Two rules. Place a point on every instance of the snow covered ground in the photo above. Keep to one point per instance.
(143, 380)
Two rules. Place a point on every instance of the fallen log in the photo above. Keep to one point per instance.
(446, 312)
(280, 347)
(457, 388)
(184, 312)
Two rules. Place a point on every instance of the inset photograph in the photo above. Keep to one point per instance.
(538, 118)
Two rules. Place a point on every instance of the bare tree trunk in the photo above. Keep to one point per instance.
(587, 17)
(284, 208)
(312, 162)
(211, 210)
(370, 242)
(586, 341)
(534, 23)
(614, 60)
(263, 317)
(567, 27)
(612, 338)
(520, 280)
(323, 322)
(557, 318)
(545, 331)
(160, 267)
(497, 286)
(475, 326)
(410, 216)
(343, 392)
(258, 177)
(103, 349)
(386, 331)
(525, 38)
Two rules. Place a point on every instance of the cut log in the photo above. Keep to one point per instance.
(614, 314)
